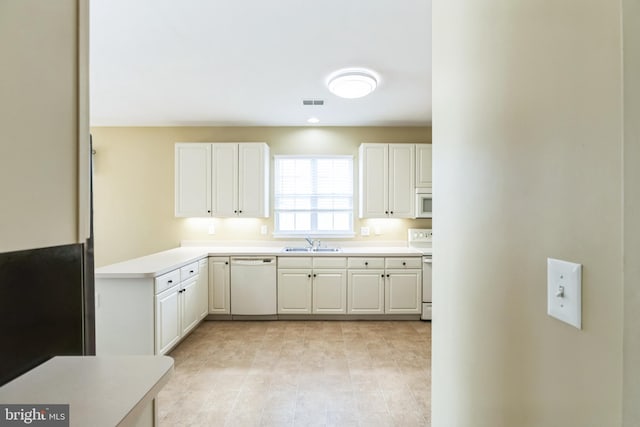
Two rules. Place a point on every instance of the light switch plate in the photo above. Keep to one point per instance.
(364, 231)
(564, 291)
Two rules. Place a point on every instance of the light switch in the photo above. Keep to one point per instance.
(564, 291)
(364, 231)
(263, 229)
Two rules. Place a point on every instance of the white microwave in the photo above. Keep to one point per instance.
(424, 201)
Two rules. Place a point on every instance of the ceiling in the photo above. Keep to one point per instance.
(252, 62)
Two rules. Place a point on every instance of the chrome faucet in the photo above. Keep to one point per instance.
(310, 241)
(313, 244)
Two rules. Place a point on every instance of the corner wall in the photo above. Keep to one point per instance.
(42, 118)
(527, 165)
(631, 41)
(134, 183)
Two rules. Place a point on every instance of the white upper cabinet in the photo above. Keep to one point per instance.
(222, 179)
(387, 180)
(224, 200)
(193, 179)
(423, 165)
(253, 180)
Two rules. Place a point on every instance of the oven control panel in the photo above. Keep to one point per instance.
(420, 235)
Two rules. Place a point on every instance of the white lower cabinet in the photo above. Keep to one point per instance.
(384, 285)
(355, 285)
(219, 286)
(312, 285)
(366, 292)
(149, 315)
(329, 291)
(403, 291)
(167, 319)
(294, 291)
(203, 288)
(189, 313)
(403, 285)
(177, 313)
(365, 285)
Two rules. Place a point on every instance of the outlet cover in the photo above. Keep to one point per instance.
(564, 291)
(364, 231)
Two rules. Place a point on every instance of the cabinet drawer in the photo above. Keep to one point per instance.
(188, 271)
(329, 262)
(360, 263)
(168, 280)
(413, 262)
(295, 262)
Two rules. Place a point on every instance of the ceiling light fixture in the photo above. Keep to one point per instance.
(352, 83)
(313, 120)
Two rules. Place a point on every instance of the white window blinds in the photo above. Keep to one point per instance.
(313, 195)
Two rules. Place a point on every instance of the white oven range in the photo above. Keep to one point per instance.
(421, 239)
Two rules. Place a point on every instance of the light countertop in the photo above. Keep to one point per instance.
(163, 262)
(100, 390)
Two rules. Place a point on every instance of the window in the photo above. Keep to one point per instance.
(313, 195)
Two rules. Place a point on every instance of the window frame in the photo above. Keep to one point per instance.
(314, 233)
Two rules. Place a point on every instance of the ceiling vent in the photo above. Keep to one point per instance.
(312, 102)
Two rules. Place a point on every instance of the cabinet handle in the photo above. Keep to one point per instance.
(208, 211)
(190, 271)
(386, 212)
(382, 275)
(387, 275)
(314, 275)
(235, 211)
(391, 212)
(366, 263)
(404, 263)
(169, 281)
(240, 211)
(309, 276)
(226, 263)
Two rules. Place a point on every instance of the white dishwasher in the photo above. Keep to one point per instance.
(253, 286)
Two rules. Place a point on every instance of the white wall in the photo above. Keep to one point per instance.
(527, 165)
(42, 116)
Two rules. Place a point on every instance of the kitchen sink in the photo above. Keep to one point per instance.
(310, 250)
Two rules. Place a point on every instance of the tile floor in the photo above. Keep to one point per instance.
(301, 373)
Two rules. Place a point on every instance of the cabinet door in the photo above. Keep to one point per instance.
(330, 291)
(219, 286)
(403, 291)
(203, 288)
(167, 319)
(189, 304)
(294, 291)
(402, 180)
(365, 292)
(253, 180)
(224, 177)
(192, 179)
(373, 171)
(423, 165)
